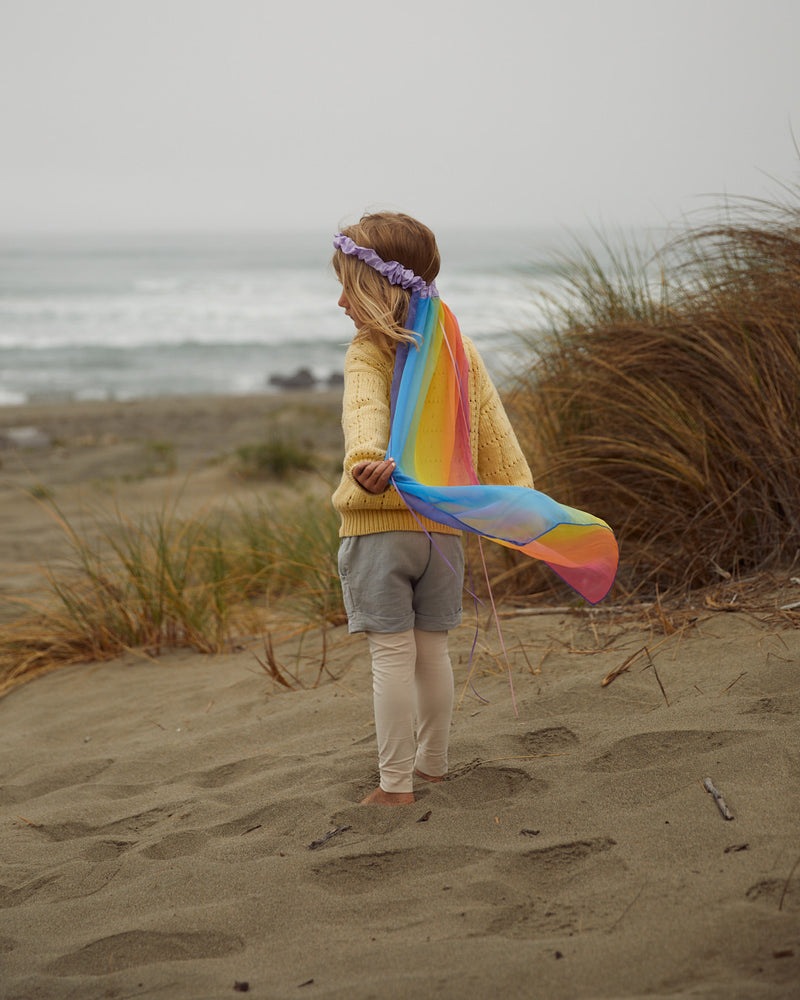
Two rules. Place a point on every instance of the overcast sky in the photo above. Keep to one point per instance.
(207, 114)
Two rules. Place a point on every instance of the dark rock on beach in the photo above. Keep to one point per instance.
(304, 379)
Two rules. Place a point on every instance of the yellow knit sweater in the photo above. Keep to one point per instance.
(496, 453)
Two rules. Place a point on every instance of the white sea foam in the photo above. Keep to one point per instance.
(10, 398)
(137, 316)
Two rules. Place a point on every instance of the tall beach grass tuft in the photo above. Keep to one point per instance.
(293, 551)
(666, 400)
(162, 581)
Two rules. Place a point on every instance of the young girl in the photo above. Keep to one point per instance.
(402, 573)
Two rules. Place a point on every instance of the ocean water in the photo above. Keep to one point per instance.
(137, 315)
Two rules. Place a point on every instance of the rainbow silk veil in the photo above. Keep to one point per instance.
(435, 476)
(429, 442)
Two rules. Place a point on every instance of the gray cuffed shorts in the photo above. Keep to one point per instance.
(396, 580)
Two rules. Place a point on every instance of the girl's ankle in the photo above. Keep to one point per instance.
(427, 777)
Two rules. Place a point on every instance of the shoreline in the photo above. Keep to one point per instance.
(289, 386)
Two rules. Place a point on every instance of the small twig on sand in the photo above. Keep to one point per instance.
(324, 840)
(708, 784)
(627, 908)
(788, 880)
(741, 675)
(29, 822)
(677, 633)
(622, 667)
(651, 664)
(522, 649)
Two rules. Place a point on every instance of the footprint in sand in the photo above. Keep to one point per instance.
(269, 817)
(554, 739)
(107, 850)
(361, 872)
(515, 911)
(128, 824)
(72, 882)
(773, 706)
(537, 918)
(646, 749)
(474, 785)
(17, 897)
(176, 845)
(226, 774)
(377, 821)
(558, 859)
(68, 777)
(123, 951)
(123, 791)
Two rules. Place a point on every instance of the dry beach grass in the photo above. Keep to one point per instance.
(668, 400)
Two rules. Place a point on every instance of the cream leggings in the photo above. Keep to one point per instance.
(412, 679)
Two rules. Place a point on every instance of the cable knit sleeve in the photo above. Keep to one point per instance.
(498, 457)
(366, 408)
(366, 411)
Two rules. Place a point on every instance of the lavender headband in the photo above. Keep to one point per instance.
(392, 270)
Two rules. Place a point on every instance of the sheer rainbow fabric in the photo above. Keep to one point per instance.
(429, 442)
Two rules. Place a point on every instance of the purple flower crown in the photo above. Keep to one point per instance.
(392, 270)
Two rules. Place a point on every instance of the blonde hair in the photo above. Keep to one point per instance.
(380, 307)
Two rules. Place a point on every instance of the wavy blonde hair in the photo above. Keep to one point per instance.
(382, 308)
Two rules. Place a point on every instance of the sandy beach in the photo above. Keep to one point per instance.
(185, 828)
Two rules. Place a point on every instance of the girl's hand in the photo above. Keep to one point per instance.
(374, 476)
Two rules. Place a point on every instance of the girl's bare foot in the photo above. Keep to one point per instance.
(381, 798)
(427, 777)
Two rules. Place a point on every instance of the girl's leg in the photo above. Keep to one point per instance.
(393, 659)
(434, 677)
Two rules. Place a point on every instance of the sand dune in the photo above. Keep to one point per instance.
(175, 829)
(186, 829)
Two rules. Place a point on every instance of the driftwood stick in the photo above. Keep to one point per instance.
(324, 840)
(564, 609)
(708, 784)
